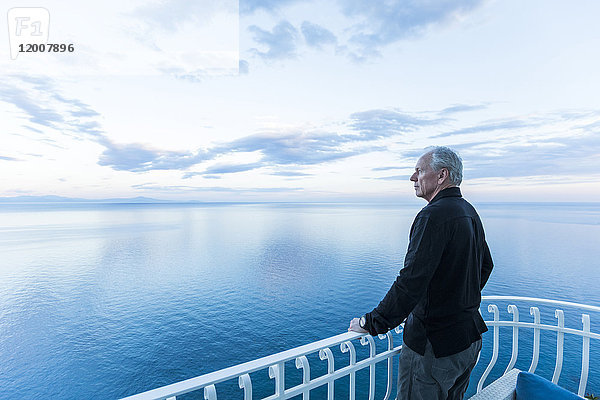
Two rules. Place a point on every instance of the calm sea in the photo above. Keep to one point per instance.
(104, 301)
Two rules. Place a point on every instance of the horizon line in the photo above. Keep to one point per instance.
(54, 199)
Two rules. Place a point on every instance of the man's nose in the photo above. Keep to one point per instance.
(413, 177)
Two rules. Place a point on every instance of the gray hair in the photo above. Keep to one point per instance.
(444, 157)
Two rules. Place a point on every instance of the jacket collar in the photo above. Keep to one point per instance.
(448, 192)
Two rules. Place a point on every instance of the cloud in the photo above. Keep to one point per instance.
(138, 158)
(299, 148)
(45, 116)
(524, 124)
(250, 6)
(194, 75)
(276, 148)
(557, 156)
(317, 36)
(394, 178)
(243, 67)
(77, 108)
(459, 147)
(215, 170)
(560, 143)
(415, 153)
(232, 168)
(511, 124)
(31, 128)
(189, 188)
(290, 173)
(41, 103)
(385, 22)
(89, 127)
(171, 15)
(376, 124)
(591, 127)
(378, 24)
(38, 82)
(186, 40)
(538, 147)
(537, 153)
(72, 115)
(280, 43)
(385, 168)
(462, 108)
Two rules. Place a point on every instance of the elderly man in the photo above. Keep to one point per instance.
(438, 291)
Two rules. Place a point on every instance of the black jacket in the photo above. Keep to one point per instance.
(438, 291)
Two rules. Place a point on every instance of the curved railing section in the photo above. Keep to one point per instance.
(536, 327)
(275, 365)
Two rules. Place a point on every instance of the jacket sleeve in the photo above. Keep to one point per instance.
(424, 253)
(487, 265)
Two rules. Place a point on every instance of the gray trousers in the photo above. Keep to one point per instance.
(424, 377)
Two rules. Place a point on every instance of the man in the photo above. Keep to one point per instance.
(438, 291)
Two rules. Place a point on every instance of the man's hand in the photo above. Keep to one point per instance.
(355, 326)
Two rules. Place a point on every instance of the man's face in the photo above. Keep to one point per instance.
(425, 178)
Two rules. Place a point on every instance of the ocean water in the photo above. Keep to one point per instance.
(104, 301)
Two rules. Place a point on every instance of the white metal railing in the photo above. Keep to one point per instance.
(275, 364)
(276, 368)
(537, 326)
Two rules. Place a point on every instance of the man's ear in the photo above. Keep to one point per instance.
(442, 175)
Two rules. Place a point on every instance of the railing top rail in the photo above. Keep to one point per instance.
(546, 301)
(245, 368)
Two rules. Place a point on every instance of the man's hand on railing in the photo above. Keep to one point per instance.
(355, 326)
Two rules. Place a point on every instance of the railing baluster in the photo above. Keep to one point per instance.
(512, 309)
(560, 335)
(326, 354)
(398, 329)
(348, 347)
(277, 372)
(302, 363)
(536, 338)
(390, 365)
(372, 352)
(493, 309)
(244, 382)
(585, 355)
(210, 392)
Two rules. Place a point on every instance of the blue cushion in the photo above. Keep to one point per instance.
(534, 387)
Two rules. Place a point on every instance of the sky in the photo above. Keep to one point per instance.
(289, 100)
